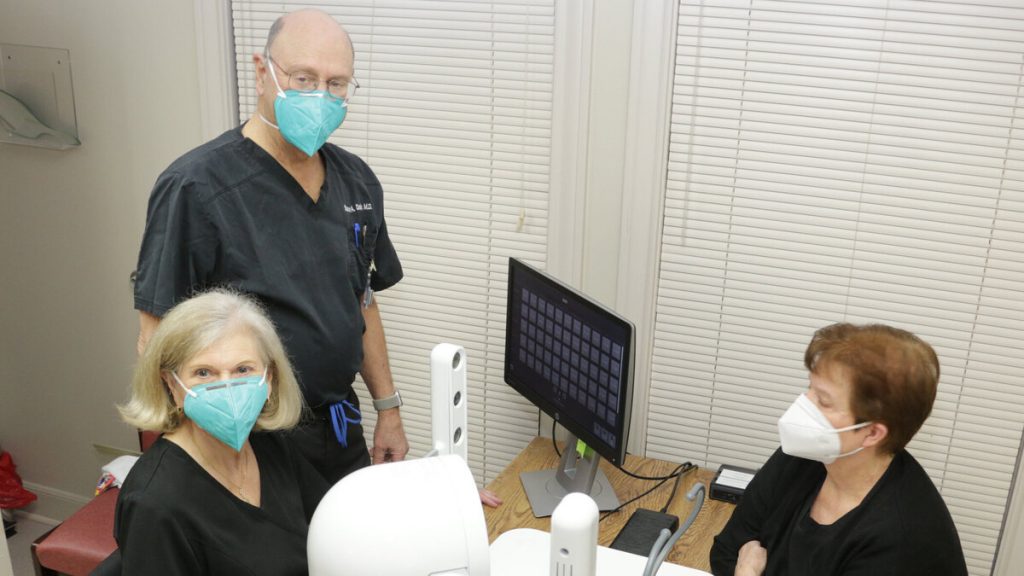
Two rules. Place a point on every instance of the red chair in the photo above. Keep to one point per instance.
(79, 544)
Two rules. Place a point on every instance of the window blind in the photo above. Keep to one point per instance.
(857, 161)
(454, 116)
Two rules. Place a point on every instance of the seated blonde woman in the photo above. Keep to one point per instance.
(220, 493)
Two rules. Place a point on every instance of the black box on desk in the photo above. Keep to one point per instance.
(730, 483)
(642, 530)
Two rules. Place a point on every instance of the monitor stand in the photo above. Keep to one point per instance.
(545, 488)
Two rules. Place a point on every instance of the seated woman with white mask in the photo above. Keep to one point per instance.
(843, 496)
(220, 492)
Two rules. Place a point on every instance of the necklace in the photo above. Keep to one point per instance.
(238, 486)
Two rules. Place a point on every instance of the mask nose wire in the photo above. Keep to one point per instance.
(188, 391)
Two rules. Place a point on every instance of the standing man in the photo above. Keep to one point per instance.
(270, 209)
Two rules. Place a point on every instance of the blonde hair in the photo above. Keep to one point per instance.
(193, 326)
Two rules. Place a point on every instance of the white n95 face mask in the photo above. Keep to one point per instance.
(806, 433)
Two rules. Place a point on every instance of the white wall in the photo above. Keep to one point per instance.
(609, 91)
(70, 226)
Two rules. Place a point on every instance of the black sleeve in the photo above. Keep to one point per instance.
(908, 557)
(921, 538)
(178, 246)
(748, 518)
(151, 540)
(389, 269)
(900, 563)
(937, 554)
(908, 529)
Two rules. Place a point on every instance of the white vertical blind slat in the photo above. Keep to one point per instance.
(855, 161)
(454, 116)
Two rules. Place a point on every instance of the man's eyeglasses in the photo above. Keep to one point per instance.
(303, 81)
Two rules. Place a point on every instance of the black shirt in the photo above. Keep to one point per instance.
(901, 528)
(174, 518)
(228, 214)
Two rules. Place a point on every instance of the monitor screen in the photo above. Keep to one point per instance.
(570, 356)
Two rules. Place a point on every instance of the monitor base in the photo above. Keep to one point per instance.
(545, 492)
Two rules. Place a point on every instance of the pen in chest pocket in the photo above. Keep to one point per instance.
(368, 294)
(359, 234)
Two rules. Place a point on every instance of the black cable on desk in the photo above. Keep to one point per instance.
(676, 473)
(618, 467)
(675, 486)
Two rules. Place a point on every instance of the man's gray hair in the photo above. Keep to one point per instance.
(278, 24)
(275, 29)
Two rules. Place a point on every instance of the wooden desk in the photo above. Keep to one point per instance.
(691, 550)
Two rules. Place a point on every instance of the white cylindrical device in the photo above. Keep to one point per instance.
(574, 536)
(449, 416)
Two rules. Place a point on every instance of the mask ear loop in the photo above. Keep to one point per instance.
(280, 93)
(853, 427)
(263, 384)
(847, 429)
(274, 76)
(812, 409)
(182, 384)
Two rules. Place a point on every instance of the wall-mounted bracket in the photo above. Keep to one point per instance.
(37, 103)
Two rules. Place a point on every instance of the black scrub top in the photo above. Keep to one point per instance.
(228, 214)
(173, 518)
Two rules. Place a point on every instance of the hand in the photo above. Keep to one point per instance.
(389, 442)
(490, 499)
(752, 559)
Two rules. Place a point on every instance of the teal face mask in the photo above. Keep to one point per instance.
(227, 409)
(306, 119)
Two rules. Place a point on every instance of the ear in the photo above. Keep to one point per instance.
(877, 433)
(168, 381)
(260, 64)
(173, 389)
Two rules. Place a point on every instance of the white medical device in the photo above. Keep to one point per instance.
(448, 413)
(523, 552)
(574, 536)
(424, 517)
(411, 518)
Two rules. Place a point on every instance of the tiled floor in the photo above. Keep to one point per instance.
(19, 545)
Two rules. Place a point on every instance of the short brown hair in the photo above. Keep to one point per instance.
(893, 375)
(191, 327)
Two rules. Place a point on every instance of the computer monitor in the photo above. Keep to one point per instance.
(573, 358)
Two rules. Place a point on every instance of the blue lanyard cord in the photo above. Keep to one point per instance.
(340, 420)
